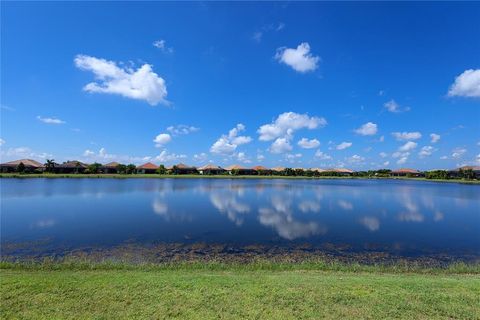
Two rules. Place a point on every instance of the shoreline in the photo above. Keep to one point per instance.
(196, 176)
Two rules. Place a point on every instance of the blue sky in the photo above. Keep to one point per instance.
(357, 85)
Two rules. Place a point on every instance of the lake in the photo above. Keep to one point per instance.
(402, 218)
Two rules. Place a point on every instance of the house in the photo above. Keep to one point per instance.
(403, 172)
(147, 168)
(110, 167)
(239, 170)
(261, 170)
(71, 167)
(278, 170)
(460, 172)
(30, 165)
(183, 169)
(211, 169)
(338, 171)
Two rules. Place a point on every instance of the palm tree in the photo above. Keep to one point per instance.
(50, 165)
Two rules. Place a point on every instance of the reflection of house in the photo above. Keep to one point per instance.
(183, 169)
(262, 170)
(110, 167)
(71, 167)
(30, 165)
(147, 168)
(211, 169)
(239, 170)
(460, 172)
(403, 172)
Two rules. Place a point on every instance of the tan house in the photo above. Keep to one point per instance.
(262, 170)
(403, 172)
(211, 169)
(182, 168)
(30, 165)
(147, 168)
(239, 170)
(110, 167)
(71, 167)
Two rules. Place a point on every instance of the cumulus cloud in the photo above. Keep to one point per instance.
(322, 156)
(434, 138)
(23, 152)
(50, 120)
(141, 84)
(162, 45)
(394, 107)
(182, 129)
(288, 122)
(280, 145)
(165, 156)
(2, 142)
(401, 136)
(383, 154)
(300, 59)
(355, 159)
(162, 139)
(410, 145)
(344, 145)
(201, 157)
(367, 129)
(308, 144)
(466, 85)
(458, 152)
(426, 151)
(227, 144)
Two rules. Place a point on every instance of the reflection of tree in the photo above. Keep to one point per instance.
(280, 217)
(228, 203)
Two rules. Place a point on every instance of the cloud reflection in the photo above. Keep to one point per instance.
(228, 203)
(371, 223)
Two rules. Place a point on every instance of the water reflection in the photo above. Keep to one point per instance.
(407, 216)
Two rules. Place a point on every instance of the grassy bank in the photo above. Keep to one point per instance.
(264, 291)
(196, 176)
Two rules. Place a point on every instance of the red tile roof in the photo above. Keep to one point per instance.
(405, 170)
(148, 165)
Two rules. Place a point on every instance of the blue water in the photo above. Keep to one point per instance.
(410, 218)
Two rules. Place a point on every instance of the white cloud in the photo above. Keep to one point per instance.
(280, 145)
(23, 152)
(344, 145)
(242, 157)
(402, 160)
(393, 106)
(355, 159)
(2, 142)
(140, 84)
(322, 156)
(466, 85)
(407, 135)
(308, 144)
(202, 157)
(162, 139)
(434, 137)
(162, 45)
(443, 158)
(260, 157)
(410, 145)
(383, 154)
(257, 36)
(386, 163)
(426, 151)
(50, 120)
(368, 129)
(182, 129)
(458, 152)
(300, 59)
(227, 144)
(288, 122)
(165, 156)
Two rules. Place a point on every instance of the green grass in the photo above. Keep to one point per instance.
(256, 291)
(197, 176)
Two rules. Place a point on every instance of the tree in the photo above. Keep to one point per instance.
(161, 169)
(131, 168)
(20, 168)
(50, 165)
(94, 167)
(121, 168)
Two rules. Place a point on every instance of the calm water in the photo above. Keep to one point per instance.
(409, 218)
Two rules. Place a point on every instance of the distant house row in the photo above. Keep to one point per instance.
(30, 166)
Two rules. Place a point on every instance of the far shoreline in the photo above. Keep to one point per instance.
(196, 176)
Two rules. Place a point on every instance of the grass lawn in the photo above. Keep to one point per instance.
(234, 293)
